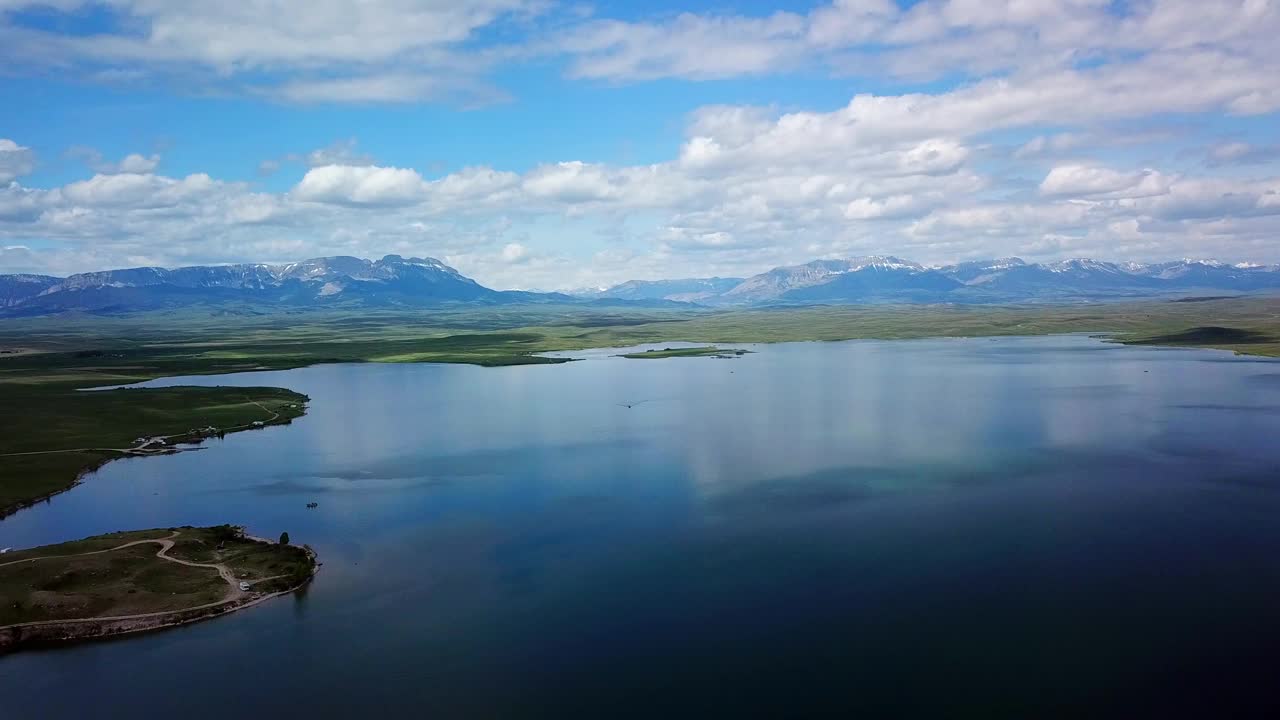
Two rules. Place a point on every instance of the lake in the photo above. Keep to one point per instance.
(1011, 525)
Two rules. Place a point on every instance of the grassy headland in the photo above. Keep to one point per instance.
(141, 580)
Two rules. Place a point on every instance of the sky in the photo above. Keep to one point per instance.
(541, 144)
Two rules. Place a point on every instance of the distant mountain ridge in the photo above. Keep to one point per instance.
(336, 281)
(888, 279)
(396, 281)
(686, 290)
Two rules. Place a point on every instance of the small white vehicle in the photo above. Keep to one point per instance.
(244, 586)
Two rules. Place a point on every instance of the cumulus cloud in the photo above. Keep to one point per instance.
(329, 51)
(866, 208)
(361, 185)
(694, 46)
(341, 152)
(1241, 153)
(344, 152)
(1049, 144)
(1016, 156)
(136, 190)
(876, 37)
(1101, 182)
(15, 160)
(133, 163)
(514, 253)
(406, 50)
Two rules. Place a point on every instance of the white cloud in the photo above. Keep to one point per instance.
(1213, 198)
(475, 185)
(1049, 144)
(849, 22)
(1101, 182)
(571, 182)
(1230, 152)
(1242, 153)
(15, 160)
(693, 46)
(920, 199)
(408, 50)
(870, 209)
(342, 152)
(259, 34)
(361, 185)
(21, 205)
(514, 253)
(1018, 156)
(133, 163)
(875, 37)
(324, 51)
(137, 190)
(390, 87)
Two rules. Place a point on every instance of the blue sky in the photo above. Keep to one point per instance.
(534, 143)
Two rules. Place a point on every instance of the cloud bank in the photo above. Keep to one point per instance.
(1042, 128)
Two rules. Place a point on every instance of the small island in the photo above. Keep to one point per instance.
(704, 351)
(127, 582)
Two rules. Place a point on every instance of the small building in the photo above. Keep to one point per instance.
(244, 586)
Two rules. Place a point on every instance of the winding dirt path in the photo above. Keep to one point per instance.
(99, 552)
(69, 450)
(274, 415)
(166, 544)
(223, 571)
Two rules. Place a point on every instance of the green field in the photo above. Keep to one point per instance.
(50, 433)
(60, 582)
(44, 360)
(98, 350)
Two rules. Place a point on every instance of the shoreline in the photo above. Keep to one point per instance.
(196, 439)
(1108, 336)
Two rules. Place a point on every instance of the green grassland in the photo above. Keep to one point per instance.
(66, 433)
(96, 543)
(44, 360)
(122, 582)
(57, 582)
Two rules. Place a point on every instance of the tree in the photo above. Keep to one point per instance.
(284, 538)
(223, 533)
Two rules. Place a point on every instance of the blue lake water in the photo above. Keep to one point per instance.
(1010, 525)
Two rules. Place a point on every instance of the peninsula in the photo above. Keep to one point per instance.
(129, 582)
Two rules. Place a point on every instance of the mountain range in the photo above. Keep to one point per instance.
(329, 281)
(395, 281)
(887, 279)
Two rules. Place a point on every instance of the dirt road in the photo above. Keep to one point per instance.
(166, 544)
